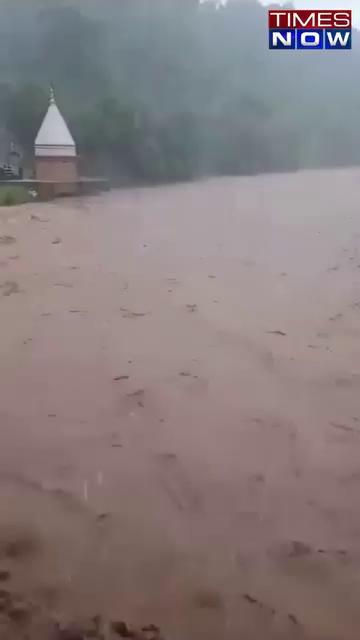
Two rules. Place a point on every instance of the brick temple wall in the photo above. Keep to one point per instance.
(57, 169)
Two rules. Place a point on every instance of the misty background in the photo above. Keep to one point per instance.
(165, 90)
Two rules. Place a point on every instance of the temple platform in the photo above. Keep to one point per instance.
(49, 190)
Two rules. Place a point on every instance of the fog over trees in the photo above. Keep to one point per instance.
(163, 90)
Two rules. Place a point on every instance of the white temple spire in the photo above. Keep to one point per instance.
(54, 137)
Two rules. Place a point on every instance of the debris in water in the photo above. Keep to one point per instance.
(10, 287)
(299, 549)
(119, 378)
(127, 313)
(56, 241)
(19, 614)
(76, 631)
(122, 629)
(7, 239)
(191, 307)
(250, 599)
(4, 576)
(136, 394)
(13, 609)
(102, 516)
(277, 333)
(293, 619)
(151, 632)
(208, 599)
(67, 285)
(343, 427)
(167, 456)
(21, 546)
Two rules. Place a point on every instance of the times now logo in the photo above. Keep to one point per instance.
(311, 30)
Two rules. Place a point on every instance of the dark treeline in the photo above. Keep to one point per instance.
(158, 90)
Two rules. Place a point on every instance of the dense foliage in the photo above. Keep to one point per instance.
(159, 90)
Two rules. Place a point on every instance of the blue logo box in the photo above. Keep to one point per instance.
(310, 39)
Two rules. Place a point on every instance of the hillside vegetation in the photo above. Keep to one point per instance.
(162, 90)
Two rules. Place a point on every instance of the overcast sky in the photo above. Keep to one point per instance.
(327, 4)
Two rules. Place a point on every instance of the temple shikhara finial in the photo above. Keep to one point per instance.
(52, 95)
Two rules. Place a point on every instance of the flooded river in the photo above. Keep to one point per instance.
(180, 414)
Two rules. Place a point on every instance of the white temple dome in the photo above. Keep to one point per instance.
(54, 137)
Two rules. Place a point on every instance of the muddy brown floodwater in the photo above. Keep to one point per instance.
(180, 407)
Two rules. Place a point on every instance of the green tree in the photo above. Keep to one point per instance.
(168, 89)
